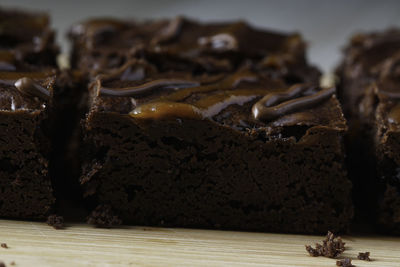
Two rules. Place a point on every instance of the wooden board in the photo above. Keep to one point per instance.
(36, 244)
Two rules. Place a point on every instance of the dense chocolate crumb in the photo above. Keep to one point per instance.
(12, 263)
(332, 247)
(2, 264)
(56, 221)
(4, 245)
(364, 256)
(104, 217)
(344, 263)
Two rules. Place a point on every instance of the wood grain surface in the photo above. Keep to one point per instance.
(36, 244)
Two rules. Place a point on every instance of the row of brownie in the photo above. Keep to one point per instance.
(215, 125)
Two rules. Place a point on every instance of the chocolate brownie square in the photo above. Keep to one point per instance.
(172, 141)
(25, 99)
(370, 79)
(27, 80)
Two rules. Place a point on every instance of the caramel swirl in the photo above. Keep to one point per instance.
(146, 87)
(201, 109)
(207, 107)
(275, 105)
(158, 110)
(29, 87)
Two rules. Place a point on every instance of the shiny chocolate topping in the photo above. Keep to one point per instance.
(298, 97)
(10, 77)
(160, 98)
(29, 87)
(146, 87)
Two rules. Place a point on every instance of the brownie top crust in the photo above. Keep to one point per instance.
(184, 44)
(374, 60)
(369, 53)
(25, 38)
(243, 99)
(26, 90)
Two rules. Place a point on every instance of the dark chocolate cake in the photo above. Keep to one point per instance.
(27, 80)
(209, 125)
(370, 93)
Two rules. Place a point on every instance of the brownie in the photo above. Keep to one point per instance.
(370, 76)
(25, 99)
(182, 44)
(27, 81)
(172, 138)
(26, 38)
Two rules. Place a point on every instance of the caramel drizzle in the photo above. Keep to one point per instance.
(29, 87)
(275, 105)
(169, 106)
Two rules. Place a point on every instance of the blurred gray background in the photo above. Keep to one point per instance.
(325, 24)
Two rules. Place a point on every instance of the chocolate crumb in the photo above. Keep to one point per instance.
(103, 217)
(332, 246)
(363, 256)
(344, 263)
(12, 263)
(4, 245)
(56, 221)
(2, 264)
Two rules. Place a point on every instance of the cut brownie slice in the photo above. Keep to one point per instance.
(237, 151)
(25, 185)
(27, 80)
(370, 80)
(198, 125)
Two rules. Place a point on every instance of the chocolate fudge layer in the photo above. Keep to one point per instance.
(27, 82)
(370, 77)
(211, 126)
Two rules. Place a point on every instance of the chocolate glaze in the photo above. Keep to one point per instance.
(11, 77)
(146, 87)
(240, 88)
(29, 87)
(265, 108)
